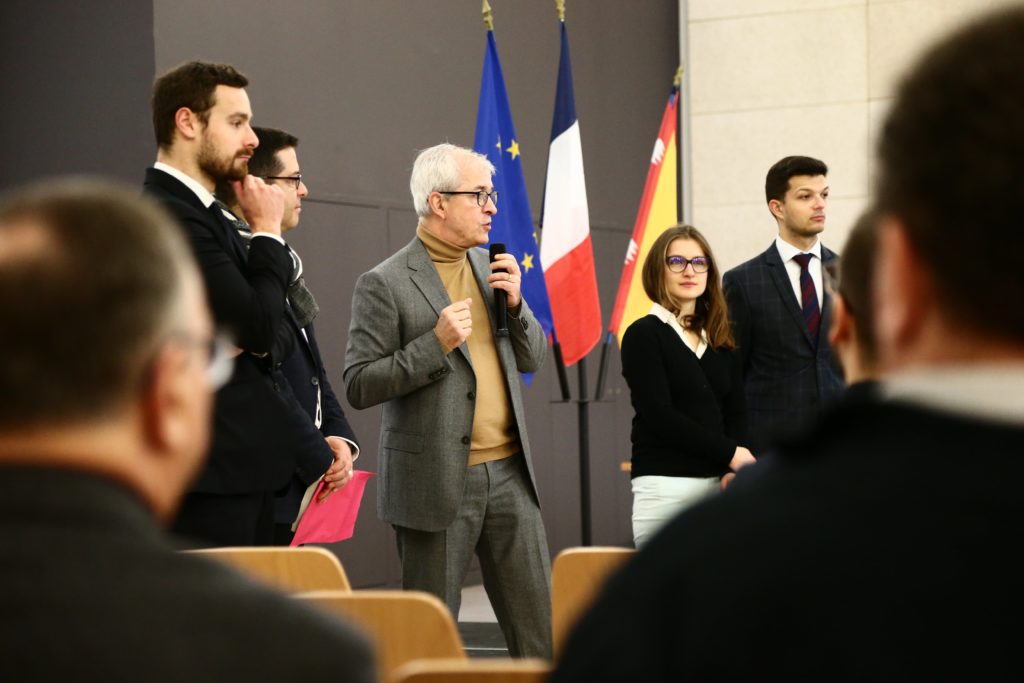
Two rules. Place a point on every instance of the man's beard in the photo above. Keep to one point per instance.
(220, 168)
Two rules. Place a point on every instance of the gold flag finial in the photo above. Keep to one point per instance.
(488, 16)
(679, 76)
(560, 8)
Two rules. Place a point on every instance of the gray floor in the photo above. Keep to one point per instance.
(475, 605)
(478, 626)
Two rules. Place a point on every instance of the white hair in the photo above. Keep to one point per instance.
(437, 170)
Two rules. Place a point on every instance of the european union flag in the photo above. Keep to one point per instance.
(513, 224)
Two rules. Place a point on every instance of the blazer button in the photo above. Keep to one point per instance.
(315, 381)
(471, 395)
(465, 440)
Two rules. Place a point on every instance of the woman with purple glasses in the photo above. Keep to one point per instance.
(685, 384)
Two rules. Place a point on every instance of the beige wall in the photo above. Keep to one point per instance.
(770, 78)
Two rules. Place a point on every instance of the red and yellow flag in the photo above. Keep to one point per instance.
(658, 212)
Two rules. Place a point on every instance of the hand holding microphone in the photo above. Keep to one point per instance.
(505, 280)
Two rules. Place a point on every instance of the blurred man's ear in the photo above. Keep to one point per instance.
(902, 293)
(163, 400)
(842, 335)
(841, 330)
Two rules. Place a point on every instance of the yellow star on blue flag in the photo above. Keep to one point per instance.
(513, 224)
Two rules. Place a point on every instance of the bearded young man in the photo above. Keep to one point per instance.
(202, 121)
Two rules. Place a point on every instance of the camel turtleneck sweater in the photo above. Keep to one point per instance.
(494, 434)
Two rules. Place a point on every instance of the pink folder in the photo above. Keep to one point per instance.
(334, 519)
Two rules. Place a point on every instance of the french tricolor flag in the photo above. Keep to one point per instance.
(566, 254)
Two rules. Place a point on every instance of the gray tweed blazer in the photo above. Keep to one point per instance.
(393, 358)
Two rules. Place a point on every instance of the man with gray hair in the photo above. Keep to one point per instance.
(455, 469)
(108, 364)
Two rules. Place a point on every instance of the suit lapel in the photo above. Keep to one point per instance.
(424, 276)
(303, 340)
(222, 231)
(780, 278)
(228, 234)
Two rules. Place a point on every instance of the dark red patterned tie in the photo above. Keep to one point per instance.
(808, 297)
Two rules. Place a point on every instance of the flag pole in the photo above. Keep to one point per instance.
(678, 82)
(583, 416)
(582, 403)
(563, 378)
(602, 367)
(488, 16)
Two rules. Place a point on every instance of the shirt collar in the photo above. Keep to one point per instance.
(986, 391)
(188, 181)
(668, 317)
(787, 251)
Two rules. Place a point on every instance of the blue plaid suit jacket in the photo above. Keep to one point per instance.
(787, 378)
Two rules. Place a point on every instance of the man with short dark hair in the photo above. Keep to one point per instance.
(276, 162)
(780, 309)
(202, 121)
(881, 545)
(106, 381)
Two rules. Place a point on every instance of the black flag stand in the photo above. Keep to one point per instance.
(583, 434)
(583, 414)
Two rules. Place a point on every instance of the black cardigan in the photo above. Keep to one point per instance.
(690, 412)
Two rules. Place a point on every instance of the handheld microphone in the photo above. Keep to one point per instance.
(500, 300)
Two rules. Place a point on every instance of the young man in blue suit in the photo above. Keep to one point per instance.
(780, 309)
(276, 162)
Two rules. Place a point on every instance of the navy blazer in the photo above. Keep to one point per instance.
(305, 372)
(787, 377)
(254, 435)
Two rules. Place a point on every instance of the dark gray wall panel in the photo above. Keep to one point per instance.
(75, 89)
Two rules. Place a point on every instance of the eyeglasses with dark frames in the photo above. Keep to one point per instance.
(294, 179)
(677, 264)
(481, 196)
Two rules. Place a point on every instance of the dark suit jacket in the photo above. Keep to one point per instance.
(787, 378)
(92, 590)
(255, 435)
(879, 547)
(305, 372)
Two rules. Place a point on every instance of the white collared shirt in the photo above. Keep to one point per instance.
(787, 251)
(667, 317)
(204, 195)
(991, 391)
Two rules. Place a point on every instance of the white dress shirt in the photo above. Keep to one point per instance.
(787, 251)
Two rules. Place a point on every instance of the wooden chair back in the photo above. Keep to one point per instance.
(292, 570)
(577, 576)
(404, 625)
(473, 671)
